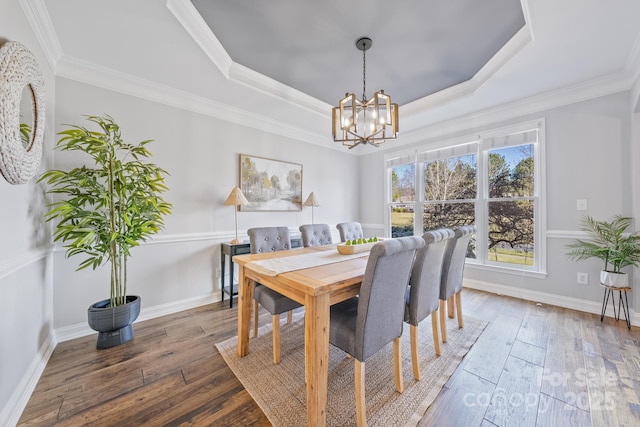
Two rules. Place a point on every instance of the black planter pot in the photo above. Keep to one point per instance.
(114, 324)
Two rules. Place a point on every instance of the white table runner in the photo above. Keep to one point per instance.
(275, 266)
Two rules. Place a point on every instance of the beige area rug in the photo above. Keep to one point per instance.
(280, 391)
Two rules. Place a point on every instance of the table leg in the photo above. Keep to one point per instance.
(222, 264)
(245, 296)
(231, 282)
(316, 327)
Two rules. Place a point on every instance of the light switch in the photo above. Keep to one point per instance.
(581, 204)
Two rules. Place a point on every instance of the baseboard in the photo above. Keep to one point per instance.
(545, 298)
(82, 329)
(13, 410)
(10, 414)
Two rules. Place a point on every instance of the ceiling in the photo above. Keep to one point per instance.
(420, 47)
(280, 66)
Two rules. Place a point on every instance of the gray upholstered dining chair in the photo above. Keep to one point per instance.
(364, 324)
(424, 290)
(315, 234)
(270, 239)
(350, 231)
(452, 272)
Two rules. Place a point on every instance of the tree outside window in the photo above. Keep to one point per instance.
(403, 196)
(450, 188)
(511, 205)
(489, 182)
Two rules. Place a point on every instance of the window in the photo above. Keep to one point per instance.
(511, 219)
(403, 196)
(492, 181)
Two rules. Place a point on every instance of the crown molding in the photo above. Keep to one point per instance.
(107, 78)
(518, 42)
(192, 21)
(96, 75)
(558, 98)
(257, 81)
(632, 67)
(38, 16)
(186, 13)
(203, 35)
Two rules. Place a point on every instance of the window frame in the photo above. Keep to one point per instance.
(483, 141)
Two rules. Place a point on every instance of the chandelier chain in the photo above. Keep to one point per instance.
(364, 75)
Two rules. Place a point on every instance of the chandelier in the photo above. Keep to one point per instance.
(370, 121)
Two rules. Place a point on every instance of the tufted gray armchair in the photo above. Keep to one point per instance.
(315, 235)
(452, 272)
(424, 290)
(270, 239)
(350, 231)
(362, 325)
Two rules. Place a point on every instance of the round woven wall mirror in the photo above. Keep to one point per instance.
(22, 113)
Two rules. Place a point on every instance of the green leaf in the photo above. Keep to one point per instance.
(608, 242)
(105, 208)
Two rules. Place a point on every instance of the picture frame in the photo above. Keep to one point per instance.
(270, 185)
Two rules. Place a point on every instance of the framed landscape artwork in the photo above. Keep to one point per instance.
(270, 185)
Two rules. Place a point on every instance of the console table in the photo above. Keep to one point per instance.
(229, 250)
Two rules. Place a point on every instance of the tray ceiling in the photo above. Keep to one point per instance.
(420, 47)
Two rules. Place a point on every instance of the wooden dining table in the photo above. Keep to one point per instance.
(317, 288)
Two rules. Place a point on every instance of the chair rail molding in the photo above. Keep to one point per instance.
(12, 265)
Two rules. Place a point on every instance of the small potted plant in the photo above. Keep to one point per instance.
(104, 212)
(609, 243)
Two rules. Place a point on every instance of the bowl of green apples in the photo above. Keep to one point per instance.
(357, 245)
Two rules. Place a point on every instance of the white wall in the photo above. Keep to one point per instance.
(202, 155)
(26, 316)
(635, 188)
(177, 268)
(588, 156)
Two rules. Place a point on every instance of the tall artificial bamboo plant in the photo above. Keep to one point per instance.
(108, 209)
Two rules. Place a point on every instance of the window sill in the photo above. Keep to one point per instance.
(506, 270)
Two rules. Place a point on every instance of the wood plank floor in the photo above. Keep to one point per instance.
(533, 365)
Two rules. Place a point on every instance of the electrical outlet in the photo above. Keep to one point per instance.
(217, 273)
(581, 204)
(583, 279)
